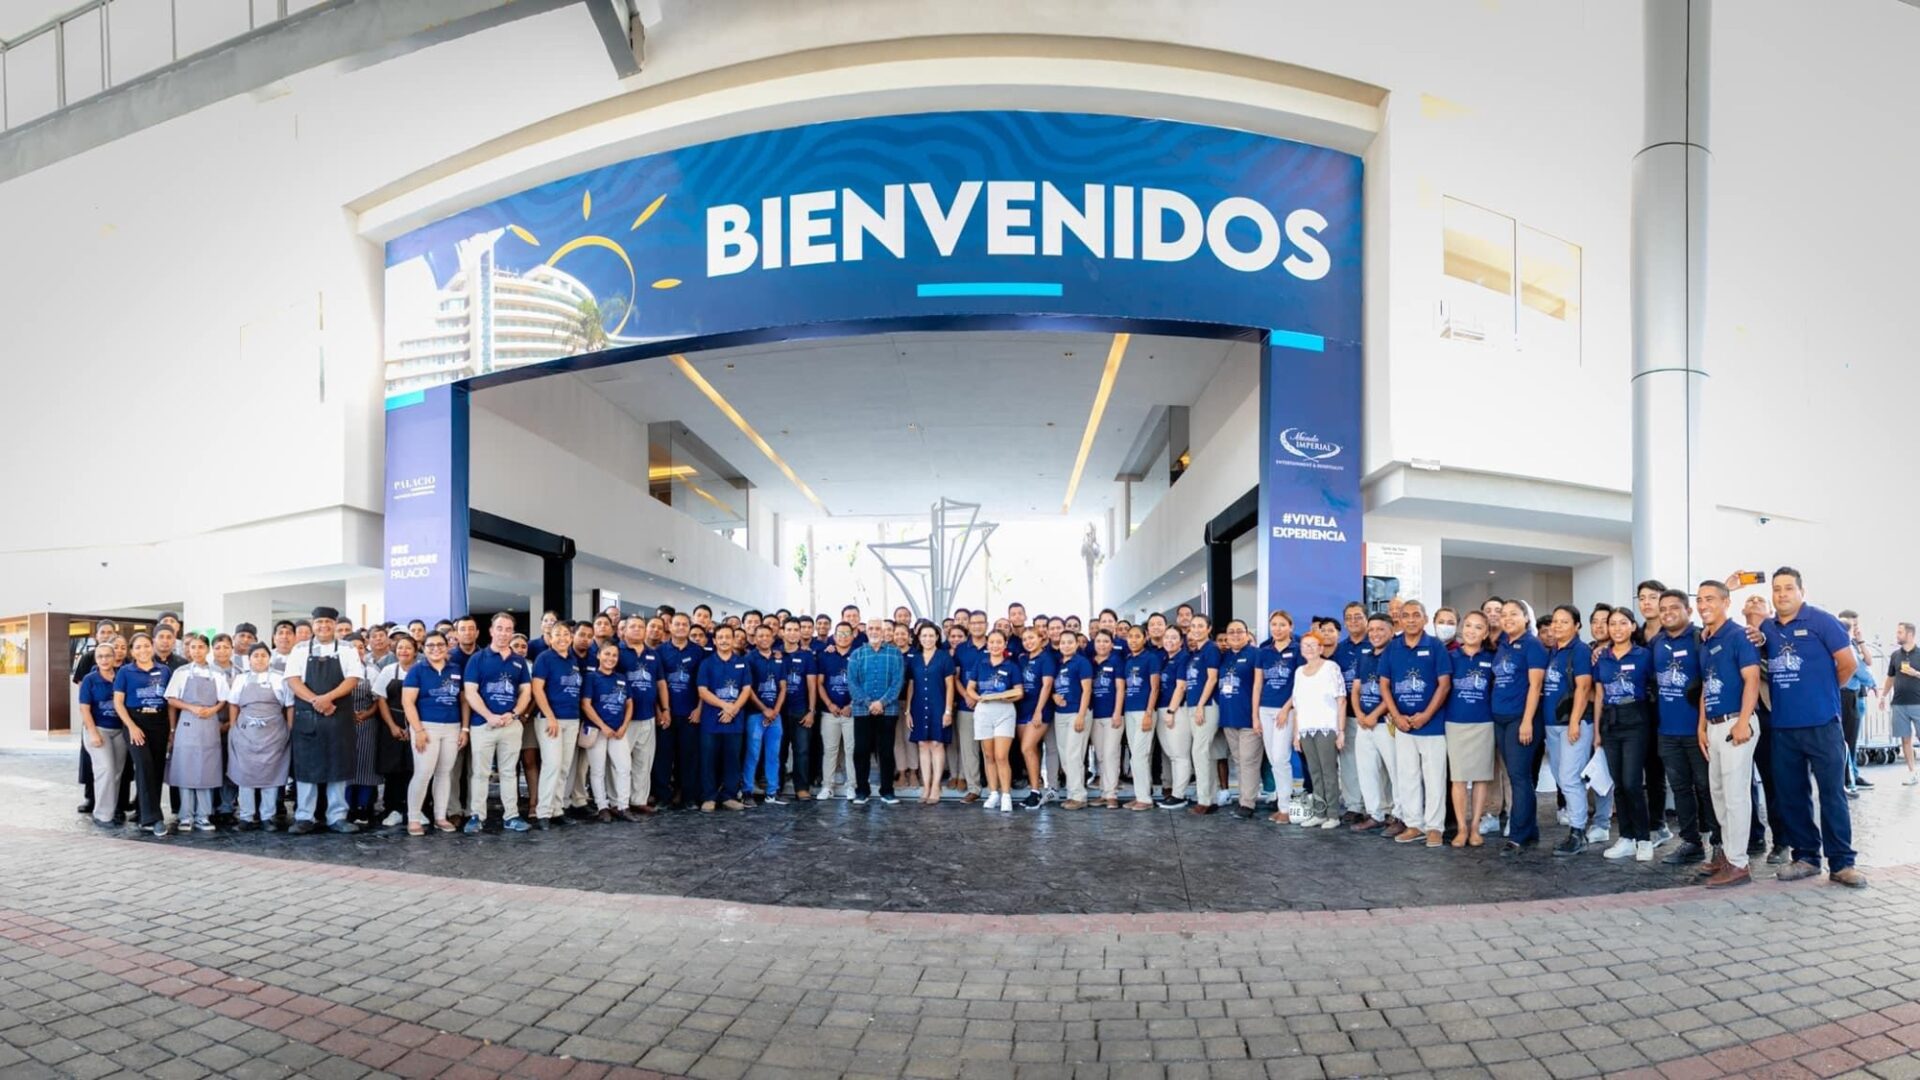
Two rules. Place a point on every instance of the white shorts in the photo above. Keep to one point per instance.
(993, 720)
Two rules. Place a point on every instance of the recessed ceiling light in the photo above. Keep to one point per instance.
(729, 365)
(1049, 423)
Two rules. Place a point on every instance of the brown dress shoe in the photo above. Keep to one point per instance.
(1727, 876)
(1796, 870)
(1110, 803)
(734, 804)
(1073, 804)
(1716, 864)
(604, 816)
(1433, 837)
(1138, 805)
(1279, 817)
(1365, 824)
(1409, 836)
(1851, 877)
(1198, 808)
(970, 797)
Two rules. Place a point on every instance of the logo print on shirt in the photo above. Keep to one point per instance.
(1411, 685)
(1672, 681)
(1788, 662)
(1474, 682)
(1229, 683)
(1712, 685)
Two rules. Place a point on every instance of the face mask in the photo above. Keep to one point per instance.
(1445, 633)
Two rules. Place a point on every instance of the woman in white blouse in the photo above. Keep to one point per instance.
(1318, 711)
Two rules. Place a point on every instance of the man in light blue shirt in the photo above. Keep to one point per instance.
(875, 673)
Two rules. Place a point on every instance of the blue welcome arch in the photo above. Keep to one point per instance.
(926, 221)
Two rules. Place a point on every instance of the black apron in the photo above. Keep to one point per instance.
(324, 747)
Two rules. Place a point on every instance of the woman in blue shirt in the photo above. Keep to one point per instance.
(930, 707)
(1277, 659)
(1564, 693)
(431, 699)
(607, 704)
(106, 739)
(1470, 727)
(1037, 670)
(140, 700)
(1623, 676)
(994, 686)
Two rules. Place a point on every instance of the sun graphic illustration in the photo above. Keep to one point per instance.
(595, 240)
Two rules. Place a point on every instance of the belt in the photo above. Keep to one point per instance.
(1722, 719)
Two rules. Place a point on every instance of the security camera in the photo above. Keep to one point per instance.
(668, 555)
(1764, 520)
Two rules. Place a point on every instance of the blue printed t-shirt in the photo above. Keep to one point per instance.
(561, 682)
(96, 695)
(1198, 662)
(727, 680)
(800, 666)
(1470, 700)
(928, 685)
(439, 698)
(769, 672)
(1676, 664)
(609, 694)
(1276, 672)
(1067, 685)
(643, 671)
(146, 691)
(1173, 670)
(1623, 679)
(1565, 665)
(1513, 664)
(1034, 669)
(681, 665)
(832, 667)
(1366, 675)
(991, 678)
(1106, 683)
(1805, 685)
(1239, 673)
(1725, 655)
(1347, 656)
(499, 679)
(1140, 672)
(1414, 672)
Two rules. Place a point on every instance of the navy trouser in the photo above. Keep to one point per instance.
(1818, 754)
(1692, 794)
(719, 747)
(1521, 762)
(677, 752)
(799, 741)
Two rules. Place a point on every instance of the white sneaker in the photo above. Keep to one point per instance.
(1307, 821)
(1006, 802)
(992, 800)
(1660, 836)
(1912, 779)
(1049, 795)
(1597, 834)
(393, 819)
(1621, 848)
(1489, 824)
(1561, 816)
(1643, 851)
(1330, 823)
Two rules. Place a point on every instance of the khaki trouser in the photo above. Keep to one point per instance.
(643, 736)
(1351, 797)
(1206, 731)
(1174, 728)
(556, 765)
(615, 756)
(1421, 780)
(1073, 754)
(836, 739)
(109, 765)
(1247, 751)
(1139, 749)
(1729, 781)
(964, 760)
(495, 748)
(433, 767)
(1376, 765)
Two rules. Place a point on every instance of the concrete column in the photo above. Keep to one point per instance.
(1669, 262)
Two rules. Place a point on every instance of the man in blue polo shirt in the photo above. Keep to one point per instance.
(1676, 683)
(498, 689)
(964, 759)
(1729, 730)
(1415, 675)
(676, 760)
(798, 706)
(647, 689)
(1375, 765)
(725, 685)
(1809, 657)
(1240, 673)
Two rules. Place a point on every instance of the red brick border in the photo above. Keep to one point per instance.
(376, 1041)
(1823, 1050)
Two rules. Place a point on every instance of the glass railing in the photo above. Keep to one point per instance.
(104, 43)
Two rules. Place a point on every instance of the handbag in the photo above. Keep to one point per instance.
(589, 735)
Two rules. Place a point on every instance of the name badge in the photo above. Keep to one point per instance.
(1799, 633)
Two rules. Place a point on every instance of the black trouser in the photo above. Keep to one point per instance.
(797, 741)
(149, 765)
(1692, 795)
(1656, 771)
(1624, 731)
(394, 795)
(873, 736)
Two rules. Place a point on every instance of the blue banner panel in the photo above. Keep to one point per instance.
(426, 505)
(1310, 553)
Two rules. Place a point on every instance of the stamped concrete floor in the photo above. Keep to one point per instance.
(187, 958)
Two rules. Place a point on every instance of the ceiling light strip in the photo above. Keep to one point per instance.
(726, 409)
(1115, 354)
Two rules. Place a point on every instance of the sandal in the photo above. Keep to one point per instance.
(444, 825)
(416, 829)
(1460, 838)
(1474, 839)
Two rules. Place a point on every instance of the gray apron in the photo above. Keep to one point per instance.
(195, 761)
(257, 745)
(366, 735)
(323, 747)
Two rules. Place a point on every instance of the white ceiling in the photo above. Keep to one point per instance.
(884, 425)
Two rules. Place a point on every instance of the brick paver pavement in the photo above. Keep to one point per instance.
(162, 960)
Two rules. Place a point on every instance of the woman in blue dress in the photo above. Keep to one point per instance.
(930, 707)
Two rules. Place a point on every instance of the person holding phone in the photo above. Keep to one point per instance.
(1728, 731)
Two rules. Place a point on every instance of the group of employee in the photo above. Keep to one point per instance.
(1398, 723)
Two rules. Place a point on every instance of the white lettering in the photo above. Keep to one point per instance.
(1003, 217)
(809, 244)
(1303, 228)
(1058, 214)
(1154, 205)
(945, 225)
(1122, 222)
(770, 233)
(858, 221)
(1263, 253)
(731, 247)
